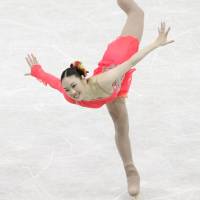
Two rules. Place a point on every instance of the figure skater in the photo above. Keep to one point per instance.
(110, 81)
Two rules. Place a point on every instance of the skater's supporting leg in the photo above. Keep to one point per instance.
(135, 18)
(119, 115)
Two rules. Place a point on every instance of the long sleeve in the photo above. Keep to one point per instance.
(46, 78)
(49, 79)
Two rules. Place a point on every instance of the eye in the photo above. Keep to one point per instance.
(66, 90)
(73, 86)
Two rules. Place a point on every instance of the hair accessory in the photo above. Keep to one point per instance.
(78, 65)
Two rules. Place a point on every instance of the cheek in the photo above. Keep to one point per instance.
(80, 87)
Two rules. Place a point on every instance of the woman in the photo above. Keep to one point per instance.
(110, 81)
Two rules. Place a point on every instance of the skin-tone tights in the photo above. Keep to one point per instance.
(117, 109)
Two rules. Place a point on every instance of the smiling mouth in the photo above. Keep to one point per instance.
(76, 96)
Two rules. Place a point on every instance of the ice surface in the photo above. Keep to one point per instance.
(50, 149)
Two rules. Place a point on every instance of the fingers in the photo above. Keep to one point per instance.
(168, 42)
(34, 59)
(163, 34)
(29, 63)
(171, 41)
(162, 26)
(168, 30)
(31, 60)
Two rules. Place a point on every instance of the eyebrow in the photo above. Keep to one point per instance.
(71, 85)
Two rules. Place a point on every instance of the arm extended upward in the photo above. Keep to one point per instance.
(107, 78)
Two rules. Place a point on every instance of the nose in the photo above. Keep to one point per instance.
(73, 92)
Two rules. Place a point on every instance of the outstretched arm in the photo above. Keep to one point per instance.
(41, 75)
(107, 78)
(161, 40)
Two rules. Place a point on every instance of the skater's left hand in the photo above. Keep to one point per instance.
(162, 37)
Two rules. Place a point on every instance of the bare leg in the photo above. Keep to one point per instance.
(119, 115)
(135, 18)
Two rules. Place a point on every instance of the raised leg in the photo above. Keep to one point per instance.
(135, 18)
(119, 115)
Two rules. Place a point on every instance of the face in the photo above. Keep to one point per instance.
(74, 87)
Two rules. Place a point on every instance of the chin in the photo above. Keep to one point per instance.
(80, 98)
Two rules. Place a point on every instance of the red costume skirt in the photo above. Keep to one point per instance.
(118, 51)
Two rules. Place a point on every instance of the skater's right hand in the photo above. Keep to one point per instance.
(31, 60)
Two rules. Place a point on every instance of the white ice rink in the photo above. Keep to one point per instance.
(53, 150)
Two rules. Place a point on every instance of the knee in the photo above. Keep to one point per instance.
(137, 12)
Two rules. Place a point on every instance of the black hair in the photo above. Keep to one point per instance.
(73, 70)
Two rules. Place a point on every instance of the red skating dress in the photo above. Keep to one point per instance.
(118, 51)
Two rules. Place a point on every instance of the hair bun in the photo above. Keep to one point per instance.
(80, 68)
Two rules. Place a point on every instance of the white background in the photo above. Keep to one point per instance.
(50, 149)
